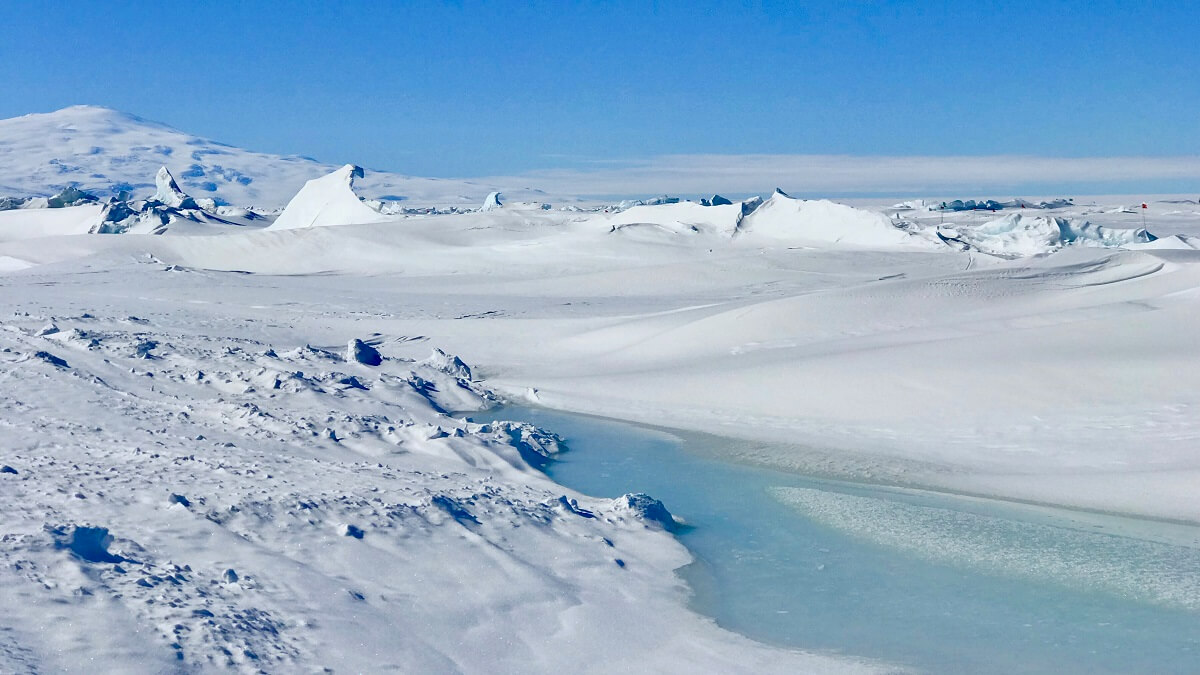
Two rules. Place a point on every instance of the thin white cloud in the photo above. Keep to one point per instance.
(696, 174)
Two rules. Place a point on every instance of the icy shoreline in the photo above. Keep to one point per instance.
(179, 496)
(936, 581)
(768, 453)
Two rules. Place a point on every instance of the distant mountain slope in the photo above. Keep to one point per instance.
(103, 150)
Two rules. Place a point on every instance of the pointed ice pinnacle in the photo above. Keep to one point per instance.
(168, 192)
(781, 192)
(492, 202)
(328, 200)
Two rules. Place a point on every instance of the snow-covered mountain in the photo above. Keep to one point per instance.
(106, 151)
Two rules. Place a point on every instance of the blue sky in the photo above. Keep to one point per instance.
(476, 89)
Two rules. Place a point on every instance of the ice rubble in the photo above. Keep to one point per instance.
(69, 196)
(993, 205)
(328, 200)
(169, 205)
(1017, 235)
(74, 211)
(818, 223)
(780, 220)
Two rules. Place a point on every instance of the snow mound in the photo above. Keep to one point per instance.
(822, 223)
(1173, 242)
(328, 200)
(19, 224)
(681, 217)
(1016, 235)
(645, 508)
(449, 364)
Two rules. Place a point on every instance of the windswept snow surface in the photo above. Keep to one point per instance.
(202, 477)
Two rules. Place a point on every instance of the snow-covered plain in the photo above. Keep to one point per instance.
(204, 475)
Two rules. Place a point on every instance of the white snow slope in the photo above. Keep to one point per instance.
(102, 150)
(200, 480)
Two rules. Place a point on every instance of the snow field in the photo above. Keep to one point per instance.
(235, 450)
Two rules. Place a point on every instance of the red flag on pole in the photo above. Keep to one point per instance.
(1144, 206)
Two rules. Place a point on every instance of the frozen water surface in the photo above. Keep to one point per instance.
(938, 582)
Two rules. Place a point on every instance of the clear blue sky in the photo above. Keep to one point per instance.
(473, 88)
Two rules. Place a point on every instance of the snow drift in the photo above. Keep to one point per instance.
(820, 222)
(682, 217)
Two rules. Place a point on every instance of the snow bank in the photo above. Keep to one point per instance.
(681, 217)
(822, 223)
(45, 222)
(328, 200)
(1175, 242)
